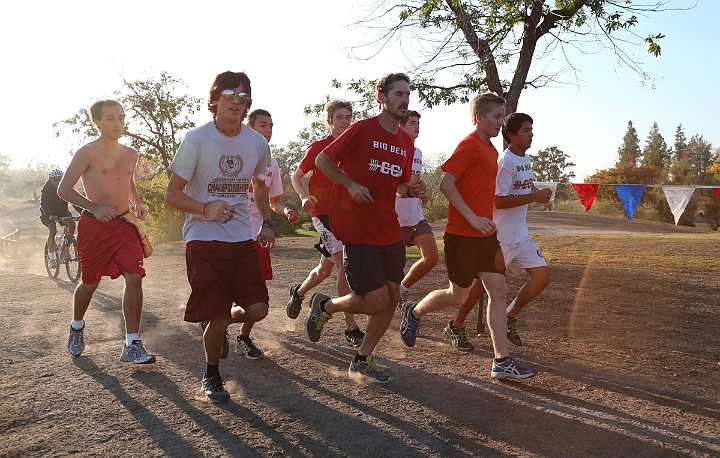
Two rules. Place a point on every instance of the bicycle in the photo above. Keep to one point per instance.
(66, 252)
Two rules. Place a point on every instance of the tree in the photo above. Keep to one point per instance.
(656, 152)
(458, 48)
(680, 142)
(629, 151)
(551, 164)
(157, 116)
(699, 155)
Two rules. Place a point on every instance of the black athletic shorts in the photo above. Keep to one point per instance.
(410, 232)
(466, 257)
(369, 267)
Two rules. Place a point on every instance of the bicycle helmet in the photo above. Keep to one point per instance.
(55, 173)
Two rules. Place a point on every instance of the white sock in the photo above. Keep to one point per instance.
(510, 307)
(130, 337)
(77, 325)
(403, 288)
(51, 255)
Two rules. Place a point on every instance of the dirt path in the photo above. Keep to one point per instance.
(629, 360)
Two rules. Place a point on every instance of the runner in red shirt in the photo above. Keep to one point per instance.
(317, 199)
(370, 163)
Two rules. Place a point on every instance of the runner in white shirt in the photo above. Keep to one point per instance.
(261, 121)
(415, 229)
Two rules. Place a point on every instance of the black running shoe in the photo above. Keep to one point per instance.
(354, 336)
(294, 305)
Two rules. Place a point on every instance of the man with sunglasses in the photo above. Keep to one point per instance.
(370, 163)
(211, 176)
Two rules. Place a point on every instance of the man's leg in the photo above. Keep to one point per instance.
(244, 343)
(476, 292)
(213, 337)
(440, 299)
(316, 276)
(496, 286)
(134, 351)
(539, 279)
(81, 301)
(52, 230)
(436, 300)
(343, 288)
(429, 252)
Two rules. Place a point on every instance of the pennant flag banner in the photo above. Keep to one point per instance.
(547, 185)
(678, 198)
(717, 193)
(587, 193)
(629, 195)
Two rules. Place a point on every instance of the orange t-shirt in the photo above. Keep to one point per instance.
(474, 164)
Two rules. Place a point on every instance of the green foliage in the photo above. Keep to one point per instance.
(437, 206)
(28, 181)
(163, 223)
(605, 207)
(551, 164)
(464, 46)
(680, 142)
(656, 152)
(699, 156)
(629, 151)
(157, 111)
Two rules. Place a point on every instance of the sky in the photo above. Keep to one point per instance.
(59, 57)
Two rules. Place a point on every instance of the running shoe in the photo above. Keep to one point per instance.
(409, 325)
(510, 368)
(244, 345)
(76, 341)
(403, 298)
(316, 319)
(512, 332)
(214, 389)
(369, 370)
(226, 343)
(354, 336)
(136, 353)
(294, 305)
(52, 263)
(458, 337)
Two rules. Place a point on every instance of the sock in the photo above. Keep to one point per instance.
(77, 325)
(359, 357)
(322, 306)
(403, 288)
(51, 255)
(130, 337)
(511, 306)
(414, 317)
(501, 360)
(211, 371)
(243, 338)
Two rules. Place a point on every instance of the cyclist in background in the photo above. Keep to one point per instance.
(52, 208)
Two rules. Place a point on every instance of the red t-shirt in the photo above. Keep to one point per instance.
(474, 164)
(380, 161)
(319, 185)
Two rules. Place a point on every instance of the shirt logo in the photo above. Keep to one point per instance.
(385, 168)
(231, 165)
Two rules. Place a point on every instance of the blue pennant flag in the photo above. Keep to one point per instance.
(629, 195)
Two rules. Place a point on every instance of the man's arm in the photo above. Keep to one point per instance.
(448, 188)
(266, 236)
(140, 209)
(541, 197)
(308, 201)
(279, 207)
(175, 197)
(358, 192)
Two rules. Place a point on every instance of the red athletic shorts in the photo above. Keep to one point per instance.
(265, 262)
(222, 274)
(108, 249)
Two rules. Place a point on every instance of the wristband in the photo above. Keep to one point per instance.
(267, 226)
(407, 191)
(203, 211)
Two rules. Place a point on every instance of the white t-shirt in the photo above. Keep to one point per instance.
(274, 187)
(409, 209)
(514, 178)
(218, 167)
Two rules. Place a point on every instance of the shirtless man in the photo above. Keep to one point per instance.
(108, 245)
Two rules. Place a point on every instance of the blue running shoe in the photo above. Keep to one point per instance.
(214, 389)
(368, 370)
(409, 325)
(316, 319)
(510, 368)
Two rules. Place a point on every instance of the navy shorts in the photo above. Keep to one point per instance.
(369, 267)
(410, 232)
(466, 257)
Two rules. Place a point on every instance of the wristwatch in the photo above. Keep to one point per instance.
(269, 223)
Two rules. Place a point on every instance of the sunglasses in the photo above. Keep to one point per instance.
(229, 94)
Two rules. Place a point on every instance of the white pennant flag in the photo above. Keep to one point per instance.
(678, 198)
(547, 185)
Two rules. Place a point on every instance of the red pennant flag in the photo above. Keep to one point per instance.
(587, 192)
(717, 193)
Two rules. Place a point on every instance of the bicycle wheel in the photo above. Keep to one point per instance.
(72, 262)
(52, 271)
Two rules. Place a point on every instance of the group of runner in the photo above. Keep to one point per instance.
(365, 195)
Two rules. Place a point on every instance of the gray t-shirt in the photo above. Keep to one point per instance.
(218, 167)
